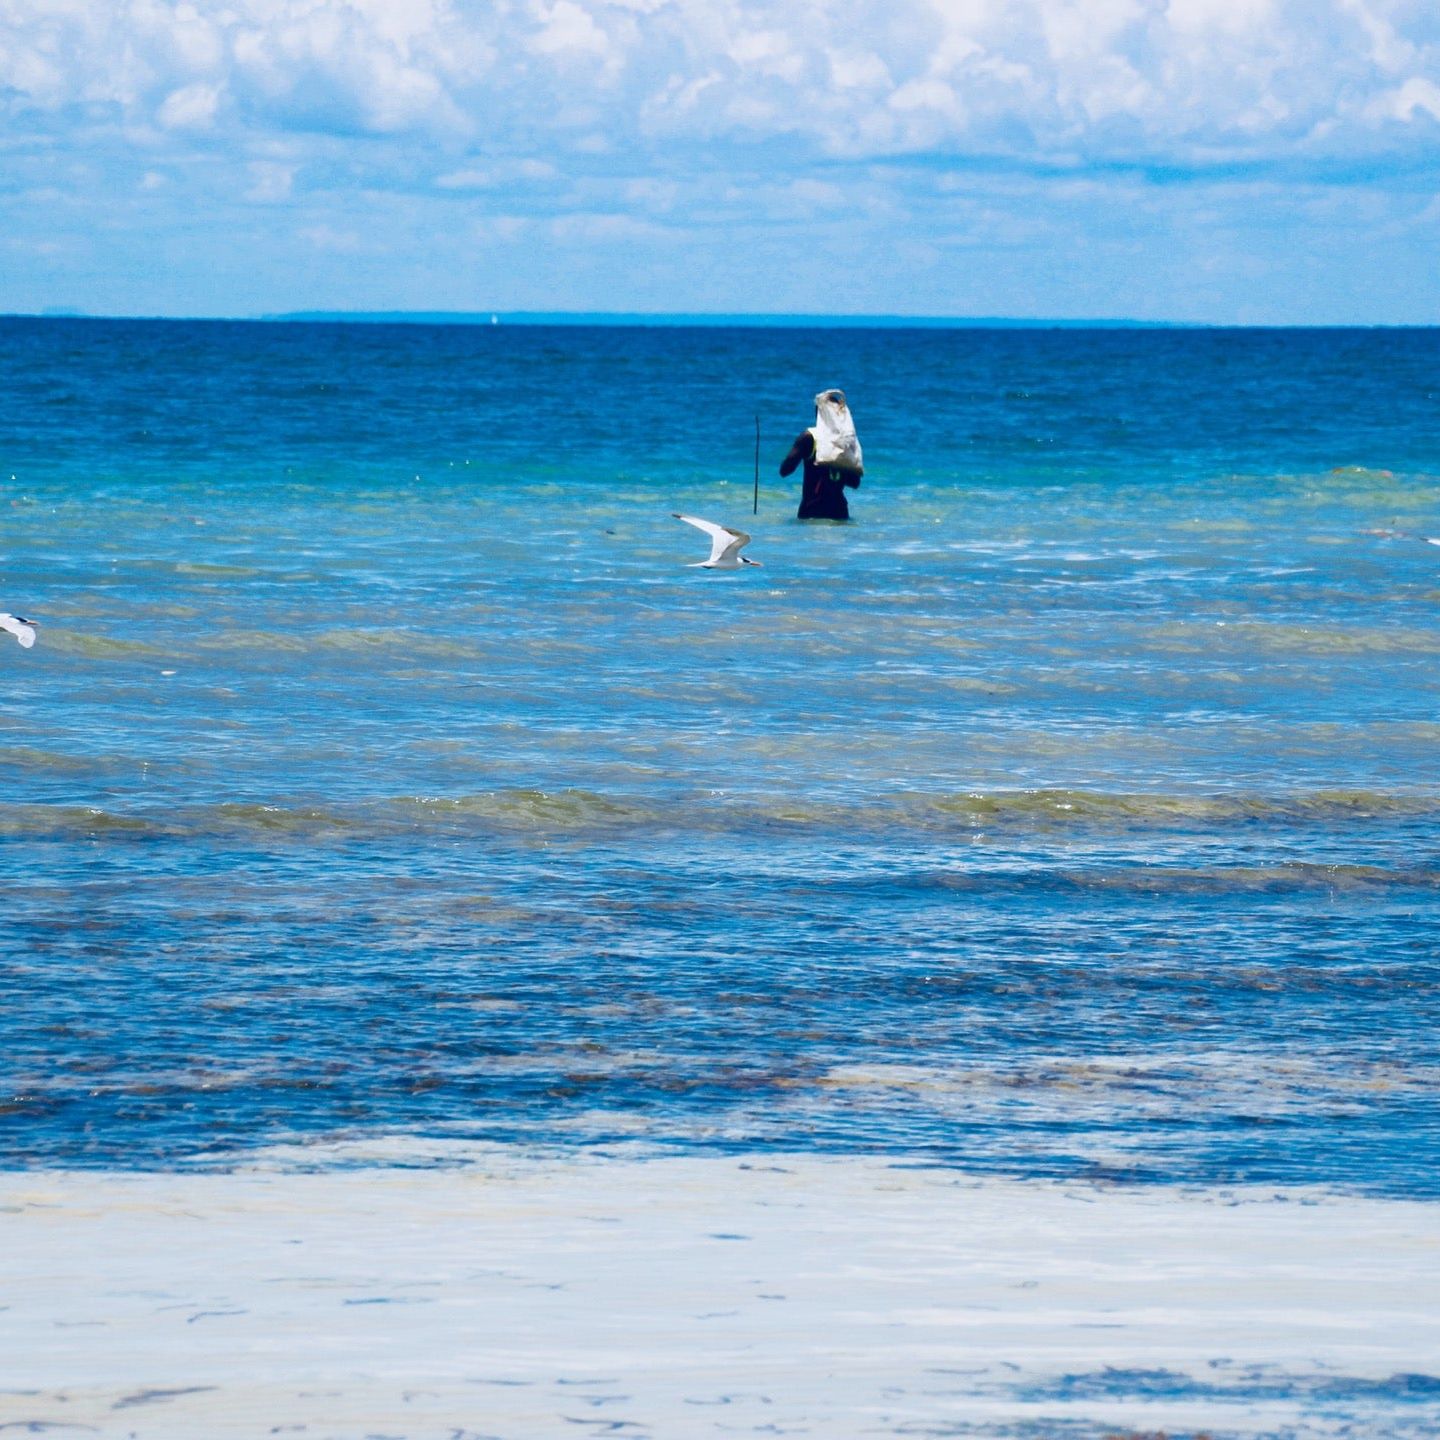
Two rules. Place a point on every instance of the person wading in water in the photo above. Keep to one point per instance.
(832, 459)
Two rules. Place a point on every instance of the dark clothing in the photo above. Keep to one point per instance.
(822, 496)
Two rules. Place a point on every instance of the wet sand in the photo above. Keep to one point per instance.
(516, 1296)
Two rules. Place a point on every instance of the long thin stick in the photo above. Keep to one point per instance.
(756, 510)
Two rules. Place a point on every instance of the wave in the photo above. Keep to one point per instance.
(370, 638)
(42, 822)
(1287, 1081)
(27, 757)
(1318, 639)
(530, 808)
(572, 811)
(1287, 877)
(1150, 807)
(98, 647)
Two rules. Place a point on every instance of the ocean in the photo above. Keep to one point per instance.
(384, 770)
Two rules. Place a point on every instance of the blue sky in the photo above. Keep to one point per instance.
(1230, 161)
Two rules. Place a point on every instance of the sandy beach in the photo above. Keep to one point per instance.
(517, 1296)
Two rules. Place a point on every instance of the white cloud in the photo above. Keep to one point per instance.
(568, 28)
(270, 181)
(503, 228)
(333, 241)
(1103, 79)
(1417, 96)
(469, 178)
(501, 173)
(190, 108)
(858, 70)
(583, 228)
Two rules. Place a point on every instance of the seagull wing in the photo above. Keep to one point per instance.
(723, 540)
(738, 541)
(22, 630)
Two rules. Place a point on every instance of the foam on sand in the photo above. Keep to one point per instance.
(494, 1294)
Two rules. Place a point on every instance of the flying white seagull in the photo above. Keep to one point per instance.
(22, 629)
(725, 545)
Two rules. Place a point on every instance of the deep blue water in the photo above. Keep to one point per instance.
(383, 768)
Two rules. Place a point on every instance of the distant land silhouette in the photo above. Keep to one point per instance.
(640, 318)
(621, 317)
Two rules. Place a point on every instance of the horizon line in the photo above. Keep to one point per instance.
(709, 319)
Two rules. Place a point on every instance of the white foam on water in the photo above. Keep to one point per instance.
(490, 1293)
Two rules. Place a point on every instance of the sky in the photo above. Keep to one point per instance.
(1216, 161)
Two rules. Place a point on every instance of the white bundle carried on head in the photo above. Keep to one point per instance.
(834, 432)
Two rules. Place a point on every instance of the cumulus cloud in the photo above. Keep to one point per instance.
(190, 107)
(1416, 96)
(569, 29)
(1117, 79)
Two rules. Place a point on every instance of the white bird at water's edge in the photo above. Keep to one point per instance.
(725, 544)
(22, 629)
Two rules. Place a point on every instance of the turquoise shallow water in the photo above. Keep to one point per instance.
(382, 767)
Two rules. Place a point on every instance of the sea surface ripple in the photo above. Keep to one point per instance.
(383, 768)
